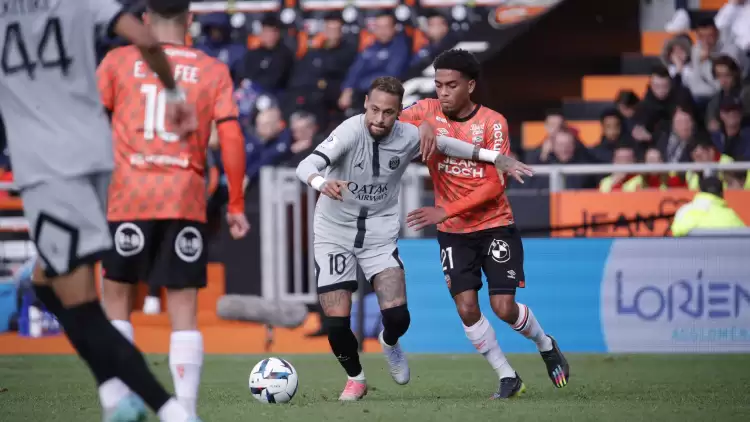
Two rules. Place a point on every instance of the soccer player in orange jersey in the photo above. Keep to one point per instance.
(157, 198)
(476, 230)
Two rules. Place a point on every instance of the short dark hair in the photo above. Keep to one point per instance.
(389, 85)
(706, 23)
(459, 60)
(701, 140)
(383, 13)
(661, 71)
(627, 97)
(713, 185)
(271, 21)
(553, 112)
(168, 8)
(724, 60)
(610, 112)
(333, 16)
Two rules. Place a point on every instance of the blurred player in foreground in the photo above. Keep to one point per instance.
(157, 199)
(476, 231)
(357, 222)
(60, 140)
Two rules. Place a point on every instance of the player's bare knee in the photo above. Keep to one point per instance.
(75, 288)
(117, 299)
(505, 307)
(37, 275)
(337, 303)
(182, 305)
(390, 288)
(396, 320)
(467, 305)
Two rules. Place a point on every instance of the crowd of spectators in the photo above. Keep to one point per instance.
(696, 109)
(292, 91)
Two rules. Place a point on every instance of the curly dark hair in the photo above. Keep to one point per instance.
(459, 60)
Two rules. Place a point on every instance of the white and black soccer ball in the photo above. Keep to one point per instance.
(273, 380)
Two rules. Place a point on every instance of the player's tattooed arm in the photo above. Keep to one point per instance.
(336, 303)
(390, 287)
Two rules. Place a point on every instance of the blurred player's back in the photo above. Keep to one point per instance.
(151, 162)
(48, 93)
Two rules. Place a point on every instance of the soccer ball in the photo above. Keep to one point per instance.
(273, 380)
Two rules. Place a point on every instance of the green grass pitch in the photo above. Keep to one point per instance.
(665, 388)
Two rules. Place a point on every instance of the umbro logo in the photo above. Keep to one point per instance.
(511, 274)
(360, 165)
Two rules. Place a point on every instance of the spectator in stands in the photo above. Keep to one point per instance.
(317, 76)
(676, 54)
(305, 137)
(652, 115)
(704, 151)
(698, 75)
(626, 102)
(733, 137)
(661, 180)
(387, 56)
(733, 21)
(269, 145)
(563, 150)
(621, 181)
(268, 63)
(707, 210)
(217, 41)
(675, 145)
(727, 73)
(439, 38)
(611, 121)
(554, 122)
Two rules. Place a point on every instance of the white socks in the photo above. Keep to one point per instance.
(185, 362)
(482, 336)
(172, 411)
(527, 325)
(114, 390)
(359, 378)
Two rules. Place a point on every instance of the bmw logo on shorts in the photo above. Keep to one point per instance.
(129, 239)
(499, 251)
(189, 244)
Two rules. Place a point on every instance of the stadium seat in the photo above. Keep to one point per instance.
(712, 4)
(605, 88)
(533, 133)
(652, 42)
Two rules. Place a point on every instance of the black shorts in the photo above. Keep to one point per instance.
(164, 253)
(497, 251)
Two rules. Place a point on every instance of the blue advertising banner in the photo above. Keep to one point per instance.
(601, 295)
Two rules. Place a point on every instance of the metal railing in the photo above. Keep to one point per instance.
(282, 213)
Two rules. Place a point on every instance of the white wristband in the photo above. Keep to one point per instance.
(317, 183)
(174, 95)
(487, 155)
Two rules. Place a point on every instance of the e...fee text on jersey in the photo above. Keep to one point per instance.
(182, 73)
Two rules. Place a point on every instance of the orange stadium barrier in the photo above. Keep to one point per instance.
(605, 88)
(576, 208)
(533, 133)
(712, 4)
(652, 42)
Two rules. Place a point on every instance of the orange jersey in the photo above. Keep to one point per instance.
(471, 192)
(157, 175)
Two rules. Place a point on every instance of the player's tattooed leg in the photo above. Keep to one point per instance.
(390, 287)
(336, 303)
